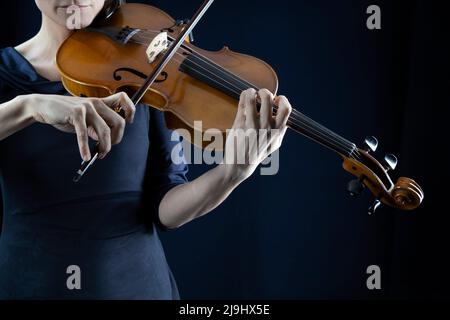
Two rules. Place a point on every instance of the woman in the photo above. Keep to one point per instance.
(101, 227)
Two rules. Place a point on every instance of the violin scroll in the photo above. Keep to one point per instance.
(407, 194)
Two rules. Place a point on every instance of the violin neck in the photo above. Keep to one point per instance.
(217, 77)
(320, 134)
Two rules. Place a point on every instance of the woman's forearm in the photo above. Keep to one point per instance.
(14, 116)
(194, 199)
(198, 197)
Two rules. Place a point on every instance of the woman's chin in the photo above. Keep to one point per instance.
(85, 23)
(76, 24)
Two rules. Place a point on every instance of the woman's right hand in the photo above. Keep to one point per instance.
(87, 117)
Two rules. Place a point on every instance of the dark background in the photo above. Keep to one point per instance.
(298, 234)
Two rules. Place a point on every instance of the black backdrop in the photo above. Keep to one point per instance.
(298, 234)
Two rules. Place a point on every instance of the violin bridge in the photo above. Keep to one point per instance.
(158, 45)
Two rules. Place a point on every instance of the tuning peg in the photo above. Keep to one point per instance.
(374, 207)
(355, 187)
(371, 143)
(391, 161)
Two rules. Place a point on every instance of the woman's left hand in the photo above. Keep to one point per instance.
(255, 135)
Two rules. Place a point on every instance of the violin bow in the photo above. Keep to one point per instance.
(138, 95)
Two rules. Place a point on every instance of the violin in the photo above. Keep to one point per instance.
(193, 84)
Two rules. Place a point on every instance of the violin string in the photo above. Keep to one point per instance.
(297, 117)
(296, 120)
(314, 133)
(237, 78)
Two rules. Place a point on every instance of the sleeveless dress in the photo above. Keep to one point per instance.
(103, 225)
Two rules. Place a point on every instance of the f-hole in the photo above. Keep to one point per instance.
(163, 76)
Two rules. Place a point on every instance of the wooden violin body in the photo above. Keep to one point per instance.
(103, 67)
(200, 85)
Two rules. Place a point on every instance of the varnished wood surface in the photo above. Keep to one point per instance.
(87, 62)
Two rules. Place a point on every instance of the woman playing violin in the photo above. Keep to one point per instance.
(101, 224)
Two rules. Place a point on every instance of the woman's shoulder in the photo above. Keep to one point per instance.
(9, 70)
(8, 56)
(18, 75)
(5, 54)
(5, 51)
(10, 63)
(4, 58)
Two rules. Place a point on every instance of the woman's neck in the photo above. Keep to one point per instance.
(41, 50)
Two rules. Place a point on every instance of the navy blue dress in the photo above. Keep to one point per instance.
(105, 224)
